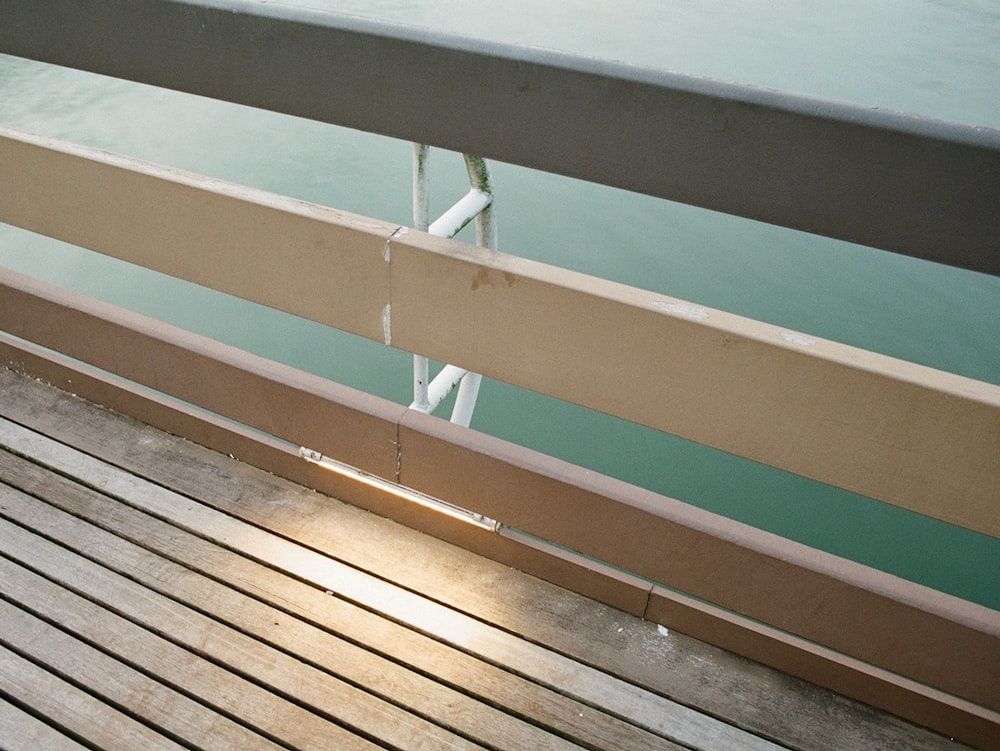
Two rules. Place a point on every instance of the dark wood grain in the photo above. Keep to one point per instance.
(202, 555)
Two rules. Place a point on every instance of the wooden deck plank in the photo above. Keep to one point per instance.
(21, 731)
(545, 667)
(317, 646)
(224, 691)
(564, 632)
(78, 712)
(204, 637)
(308, 635)
(124, 687)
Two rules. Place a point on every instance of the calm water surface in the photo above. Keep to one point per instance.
(934, 58)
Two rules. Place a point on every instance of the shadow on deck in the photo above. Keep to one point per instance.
(158, 595)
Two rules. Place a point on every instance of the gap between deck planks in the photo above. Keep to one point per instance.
(442, 669)
(252, 622)
(86, 583)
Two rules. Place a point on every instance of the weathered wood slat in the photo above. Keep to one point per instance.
(310, 643)
(78, 712)
(961, 632)
(314, 689)
(124, 687)
(670, 663)
(21, 731)
(221, 689)
(460, 631)
(486, 682)
(544, 707)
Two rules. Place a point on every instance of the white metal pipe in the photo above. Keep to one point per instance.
(421, 190)
(464, 211)
(486, 228)
(476, 204)
(486, 237)
(421, 374)
(442, 385)
(480, 179)
(465, 402)
(421, 210)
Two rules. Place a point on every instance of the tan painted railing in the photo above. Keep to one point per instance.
(919, 438)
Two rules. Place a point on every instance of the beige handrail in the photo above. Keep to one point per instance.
(912, 436)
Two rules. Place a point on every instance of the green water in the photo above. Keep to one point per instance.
(940, 59)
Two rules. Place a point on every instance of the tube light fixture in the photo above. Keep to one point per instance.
(400, 491)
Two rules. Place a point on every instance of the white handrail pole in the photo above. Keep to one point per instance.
(421, 189)
(465, 402)
(480, 179)
(421, 211)
(439, 388)
(421, 376)
(476, 204)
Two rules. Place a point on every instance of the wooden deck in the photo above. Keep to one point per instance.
(156, 595)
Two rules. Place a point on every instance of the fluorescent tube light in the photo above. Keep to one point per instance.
(400, 491)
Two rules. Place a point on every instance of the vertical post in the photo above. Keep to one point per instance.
(479, 178)
(486, 237)
(421, 220)
(421, 195)
(465, 402)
